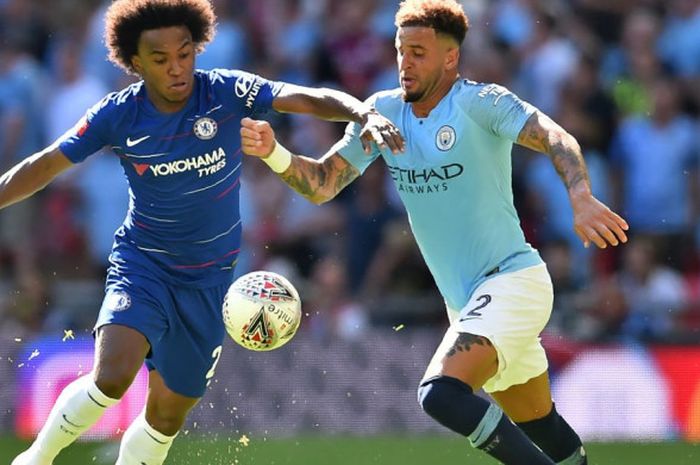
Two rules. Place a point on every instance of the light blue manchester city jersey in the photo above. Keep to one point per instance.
(455, 181)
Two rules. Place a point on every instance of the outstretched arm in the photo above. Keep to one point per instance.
(317, 180)
(31, 175)
(593, 220)
(334, 105)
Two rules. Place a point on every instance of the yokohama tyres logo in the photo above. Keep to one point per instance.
(204, 164)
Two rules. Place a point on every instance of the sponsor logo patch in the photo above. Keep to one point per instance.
(243, 85)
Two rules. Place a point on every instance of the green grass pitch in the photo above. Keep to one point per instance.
(343, 450)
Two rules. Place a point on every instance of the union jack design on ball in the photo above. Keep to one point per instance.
(265, 286)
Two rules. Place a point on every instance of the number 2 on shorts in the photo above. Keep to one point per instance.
(485, 299)
(216, 355)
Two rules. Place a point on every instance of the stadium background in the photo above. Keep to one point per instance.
(624, 340)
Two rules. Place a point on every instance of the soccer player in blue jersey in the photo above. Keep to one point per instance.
(176, 133)
(455, 182)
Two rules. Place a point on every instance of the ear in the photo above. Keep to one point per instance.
(137, 64)
(452, 58)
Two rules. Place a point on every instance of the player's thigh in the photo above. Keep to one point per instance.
(166, 410)
(187, 353)
(468, 357)
(131, 318)
(528, 401)
(119, 354)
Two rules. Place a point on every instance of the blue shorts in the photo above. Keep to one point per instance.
(183, 325)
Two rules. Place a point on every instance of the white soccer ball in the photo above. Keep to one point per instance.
(262, 311)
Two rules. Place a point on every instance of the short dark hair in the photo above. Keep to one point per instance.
(445, 16)
(125, 20)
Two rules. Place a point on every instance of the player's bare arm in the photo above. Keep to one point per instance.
(593, 220)
(31, 175)
(317, 180)
(542, 134)
(333, 105)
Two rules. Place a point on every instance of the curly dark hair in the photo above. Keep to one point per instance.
(125, 20)
(445, 16)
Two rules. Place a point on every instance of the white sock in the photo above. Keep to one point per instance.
(142, 444)
(78, 407)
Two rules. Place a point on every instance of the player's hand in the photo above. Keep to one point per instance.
(595, 222)
(257, 138)
(378, 129)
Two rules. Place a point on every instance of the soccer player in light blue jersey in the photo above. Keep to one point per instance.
(176, 133)
(455, 182)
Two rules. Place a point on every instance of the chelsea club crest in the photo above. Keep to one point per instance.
(205, 128)
(445, 138)
(117, 301)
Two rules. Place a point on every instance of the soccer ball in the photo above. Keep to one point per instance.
(261, 311)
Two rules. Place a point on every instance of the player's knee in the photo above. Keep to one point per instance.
(114, 380)
(166, 421)
(113, 386)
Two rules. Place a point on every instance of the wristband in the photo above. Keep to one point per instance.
(279, 159)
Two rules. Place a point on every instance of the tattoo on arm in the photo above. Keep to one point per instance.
(465, 341)
(319, 180)
(542, 134)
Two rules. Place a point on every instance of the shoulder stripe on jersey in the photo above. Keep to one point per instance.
(217, 182)
(228, 231)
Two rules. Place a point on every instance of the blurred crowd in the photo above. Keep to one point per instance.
(622, 76)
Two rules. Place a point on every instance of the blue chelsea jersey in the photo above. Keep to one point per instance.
(183, 169)
(455, 182)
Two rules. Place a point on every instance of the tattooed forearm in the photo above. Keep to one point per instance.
(568, 161)
(542, 134)
(319, 180)
(465, 341)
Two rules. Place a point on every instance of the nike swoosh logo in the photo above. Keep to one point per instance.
(131, 143)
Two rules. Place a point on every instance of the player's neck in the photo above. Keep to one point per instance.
(423, 108)
(163, 105)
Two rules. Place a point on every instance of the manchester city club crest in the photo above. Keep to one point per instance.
(445, 138)
(205, 128)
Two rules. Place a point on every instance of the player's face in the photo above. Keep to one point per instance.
(424, 59)
(165, 61)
